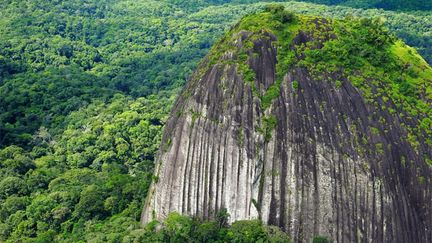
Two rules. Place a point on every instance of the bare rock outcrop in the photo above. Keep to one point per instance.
(320, 160)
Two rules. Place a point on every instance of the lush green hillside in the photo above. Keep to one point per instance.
(85, 88)
(412, 5)
(423, 5)
(134, 48)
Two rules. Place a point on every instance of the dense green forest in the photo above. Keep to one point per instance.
(134, 48)
(85, 89)
(385, 4)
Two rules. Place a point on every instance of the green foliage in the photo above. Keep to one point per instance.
(429, 161)
(247, 231)
(385, 4)
(91, 203)
(320, 239)
(222, 218)
(378, 64)
(357, 44)
(57, 57)
(338, 84)
(11, 186)
(274, 8)
(269, 125)
(271, 93)
(276, 235)
(276, 20)
(11, 205)
(16, 160)
(279, 13)
(178, 228)
(295, 85)
(90, 180)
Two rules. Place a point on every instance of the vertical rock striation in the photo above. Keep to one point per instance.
(320, 160)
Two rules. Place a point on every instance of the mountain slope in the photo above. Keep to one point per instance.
(385, 4)
(318, 126)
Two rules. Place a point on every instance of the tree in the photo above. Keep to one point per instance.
(208, 231)
(11, 205)
(15, 159)
(91, 203)
(222, 217)
(247, 231)
(177, 228)
(12, 185)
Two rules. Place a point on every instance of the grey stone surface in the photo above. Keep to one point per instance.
(320, 173)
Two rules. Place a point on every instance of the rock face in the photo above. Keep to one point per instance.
(319, 159)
